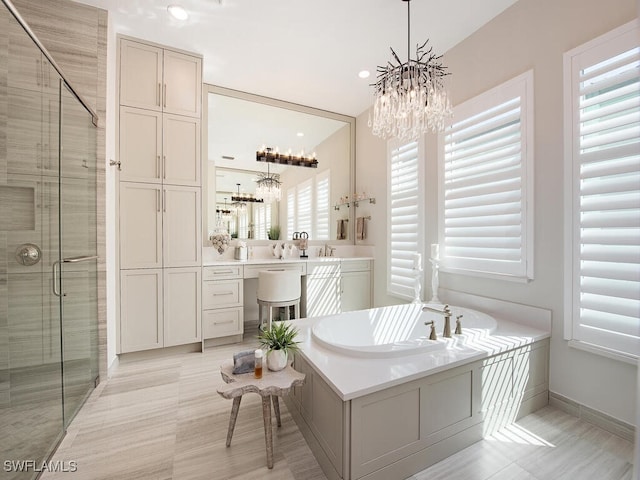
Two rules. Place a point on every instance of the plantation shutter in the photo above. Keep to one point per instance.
(322, 206)
(304, 208)
(487, 150)
(605, 112)
(291, 212)
(405, 219)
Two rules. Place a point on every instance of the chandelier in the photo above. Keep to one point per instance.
(237, 204)
(269, 187)
(409, 97)
(224, 214)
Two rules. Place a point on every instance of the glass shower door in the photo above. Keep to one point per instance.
(78, 268)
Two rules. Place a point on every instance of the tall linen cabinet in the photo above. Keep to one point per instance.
(159, 196)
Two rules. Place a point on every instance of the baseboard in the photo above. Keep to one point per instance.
(217, 342)
(159, 352)
(599, 419)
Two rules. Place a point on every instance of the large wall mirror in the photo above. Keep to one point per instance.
(238, 125)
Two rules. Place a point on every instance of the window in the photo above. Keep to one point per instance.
(323, 194)
(486, 183)
(291, 212)
(602, 175)
(304, 208)
(405, 216)
(262, 220)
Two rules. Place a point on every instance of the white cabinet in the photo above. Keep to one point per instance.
(339, 286)
(159, 204)
(355, 285)
(141, 325)
(159, 148)
(140, 225)
(222, 301)
(155, 78)
(182, 305)
(159, 226)
(159, 308)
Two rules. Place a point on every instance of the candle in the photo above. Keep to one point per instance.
(435, 251)
(417, 261)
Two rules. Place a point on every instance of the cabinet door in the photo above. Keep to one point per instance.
(356, 291)
(140, 145)
(181, 150)
(181, 226)
(140, 225)
(182, 305)
(323, 295)
(182, 90)
(140, 75)
(141, 326)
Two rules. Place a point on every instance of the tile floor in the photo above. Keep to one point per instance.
(162, 419)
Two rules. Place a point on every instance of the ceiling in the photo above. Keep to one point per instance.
(298, 50)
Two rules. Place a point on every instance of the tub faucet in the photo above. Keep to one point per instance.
(446, 313)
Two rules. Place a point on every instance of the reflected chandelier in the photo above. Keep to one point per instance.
(237, 202)
(269, 187)
(409, 98)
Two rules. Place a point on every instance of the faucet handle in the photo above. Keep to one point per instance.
(458, 330)
(432, 335)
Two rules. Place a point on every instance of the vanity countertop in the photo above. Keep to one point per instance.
(275, 261)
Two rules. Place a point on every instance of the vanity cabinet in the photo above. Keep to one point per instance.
(160, 79)
(222, 301)
(336, 287)
(159, 196)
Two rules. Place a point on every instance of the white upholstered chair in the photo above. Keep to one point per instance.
(278, 289)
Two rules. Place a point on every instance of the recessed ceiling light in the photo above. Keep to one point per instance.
(300, 134)
(177, 12)
(364, 74)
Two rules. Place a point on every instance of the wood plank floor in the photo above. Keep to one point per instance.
(162, 419)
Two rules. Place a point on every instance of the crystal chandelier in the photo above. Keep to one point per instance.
(237, 204)
(268, 187)
(409, 98)
(224, 213)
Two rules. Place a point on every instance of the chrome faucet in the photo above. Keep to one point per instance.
(446, 313)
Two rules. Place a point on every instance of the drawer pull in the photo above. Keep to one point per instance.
(221, 272)
(222, 323)
(276, 269)
(222, 294)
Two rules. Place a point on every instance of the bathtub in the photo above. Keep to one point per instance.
(397, 330)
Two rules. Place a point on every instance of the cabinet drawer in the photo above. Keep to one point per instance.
(222, 322)
(222, 294)
(323, 268)
(355, 265)
(222, 272)
(251, 271)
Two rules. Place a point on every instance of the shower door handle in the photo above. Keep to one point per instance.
(84, 258)
(56, 272)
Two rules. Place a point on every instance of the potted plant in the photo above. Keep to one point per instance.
(279, 341)
(274, 233)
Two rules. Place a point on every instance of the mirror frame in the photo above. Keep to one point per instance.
(208, 173)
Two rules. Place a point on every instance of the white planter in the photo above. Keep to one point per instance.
(276, 360)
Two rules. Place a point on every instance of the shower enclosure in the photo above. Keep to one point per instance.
(48, 261)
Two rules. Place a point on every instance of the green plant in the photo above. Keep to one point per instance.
(281, 336)
(274, 233)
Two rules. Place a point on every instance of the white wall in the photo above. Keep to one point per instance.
(532, 34)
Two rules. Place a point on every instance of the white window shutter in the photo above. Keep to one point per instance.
(486, 183)
(603, 245)
(323, 212)
(405, 219)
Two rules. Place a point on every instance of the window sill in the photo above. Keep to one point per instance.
(604, 352)
(495, 276)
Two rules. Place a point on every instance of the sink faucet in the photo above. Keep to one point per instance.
(446, 313)
(328, 250)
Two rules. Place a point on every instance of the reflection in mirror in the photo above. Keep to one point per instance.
(239, 126)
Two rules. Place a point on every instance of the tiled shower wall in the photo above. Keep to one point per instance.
(76, 37)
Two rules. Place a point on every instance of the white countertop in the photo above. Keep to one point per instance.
(275, 261)
(351, 377)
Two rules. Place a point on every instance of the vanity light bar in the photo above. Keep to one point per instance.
(269, 155)
(246, 198)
